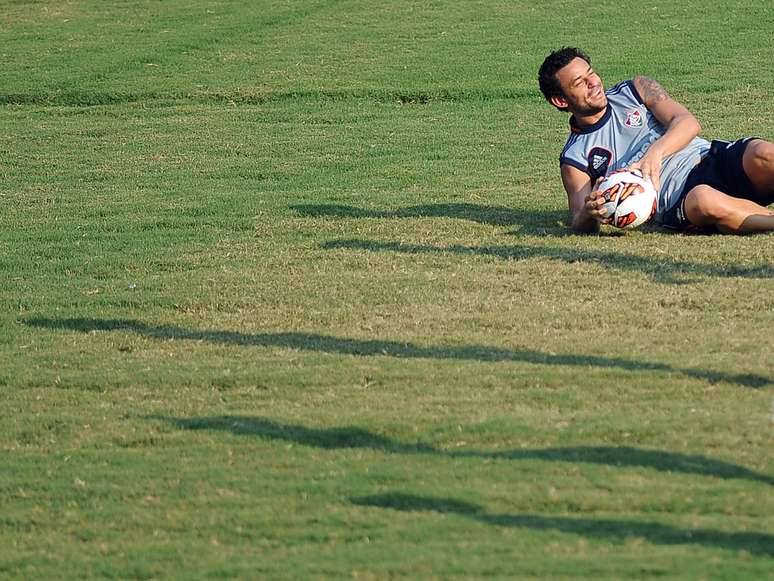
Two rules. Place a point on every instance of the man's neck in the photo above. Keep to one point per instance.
(582, 121)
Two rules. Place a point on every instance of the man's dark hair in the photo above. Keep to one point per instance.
(557, 60)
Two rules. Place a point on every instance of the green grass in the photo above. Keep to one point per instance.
(288, 292)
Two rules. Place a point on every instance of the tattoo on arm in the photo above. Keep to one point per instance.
(652, 92)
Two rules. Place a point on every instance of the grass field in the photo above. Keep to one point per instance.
(288, 292)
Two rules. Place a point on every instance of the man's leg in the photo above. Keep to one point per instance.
(706, 206)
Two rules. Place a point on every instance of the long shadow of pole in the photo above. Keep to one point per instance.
(540, 222)
(369, 348)
(661, 270)
(355, 437)
(608, 529)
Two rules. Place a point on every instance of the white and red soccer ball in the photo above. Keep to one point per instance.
(630, 199)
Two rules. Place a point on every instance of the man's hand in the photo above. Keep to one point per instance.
(594, 206)
(582, 199)
(594, 202)
(650, 166)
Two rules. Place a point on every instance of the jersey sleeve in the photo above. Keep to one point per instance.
(564, 160)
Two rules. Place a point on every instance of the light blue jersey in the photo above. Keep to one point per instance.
(621, 137)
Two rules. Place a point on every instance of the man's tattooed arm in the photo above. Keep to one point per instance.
(651, 91)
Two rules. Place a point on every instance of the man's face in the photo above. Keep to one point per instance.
(582, 88)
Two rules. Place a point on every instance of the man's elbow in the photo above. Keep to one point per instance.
(583, 224)
(691, 124)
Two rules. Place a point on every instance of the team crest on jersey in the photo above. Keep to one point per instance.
(634, 118)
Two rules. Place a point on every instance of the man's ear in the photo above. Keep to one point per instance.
(559, 102)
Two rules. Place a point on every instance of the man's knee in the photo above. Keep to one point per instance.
(758, 164)
(763, 153)
(705, 205)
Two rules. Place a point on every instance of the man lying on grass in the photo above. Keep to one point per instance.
(722, 186)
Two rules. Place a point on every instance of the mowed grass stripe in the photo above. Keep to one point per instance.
(411, 97)
(176, 47)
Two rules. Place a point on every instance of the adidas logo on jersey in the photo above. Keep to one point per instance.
(599, 160)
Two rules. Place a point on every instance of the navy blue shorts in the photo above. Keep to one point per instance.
(721, 169)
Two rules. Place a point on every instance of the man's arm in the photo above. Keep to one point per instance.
(584, 205)
(681, 127)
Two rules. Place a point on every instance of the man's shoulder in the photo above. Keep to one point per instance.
(572, 139)
(620, 86)
(623, 92)
(573, 153)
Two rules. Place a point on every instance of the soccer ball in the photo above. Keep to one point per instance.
(630, 199)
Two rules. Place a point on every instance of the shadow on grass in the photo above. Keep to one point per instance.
(540, 222)
(400, 350)
(660, 270)
(354, 437)
(617, 531)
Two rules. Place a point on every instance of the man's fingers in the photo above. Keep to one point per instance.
(594, 207)
(651, 177)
